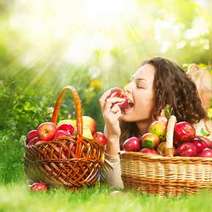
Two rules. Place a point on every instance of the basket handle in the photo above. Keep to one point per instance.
(78, 108)
(169, 151)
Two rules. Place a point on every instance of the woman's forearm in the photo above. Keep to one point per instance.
(113, 175)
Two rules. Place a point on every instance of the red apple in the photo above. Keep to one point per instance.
(132, 144)
(33, 141)
(39, 186)
(67, 127)
(61, 134)
(187, 149)
(90, 123)
(120, 94)
(150, 140)
(206, 140)
(184, 132)
(31, 134)
(158, 128)
(200, 144)
(206, 153)
(46, 131)
(149, 151)
(100, 138)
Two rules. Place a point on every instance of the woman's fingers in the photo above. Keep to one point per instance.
(112, 102)
(106, 94)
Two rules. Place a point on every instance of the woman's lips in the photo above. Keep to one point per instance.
(129, 108)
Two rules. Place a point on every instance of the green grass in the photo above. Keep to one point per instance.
(17, 197)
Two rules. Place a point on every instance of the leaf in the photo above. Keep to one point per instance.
(168, 111)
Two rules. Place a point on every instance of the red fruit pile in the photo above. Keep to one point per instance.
(49, 131)
(186, 142)
(149, 142)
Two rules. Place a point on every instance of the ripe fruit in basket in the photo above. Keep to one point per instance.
(39, 186)
(66, 127)
(100, 138)
(150, 140)
(61, 134)
(88, 122)
(206, 140)
(120, 94)
(184, 132)
(158, 128)
(32, 137)
(132, 144)
(33, 141)
(149, 151)
(46, 131)
(32, 134)
(187, 149)
(207, 152)
(162, 148)
(200, 144)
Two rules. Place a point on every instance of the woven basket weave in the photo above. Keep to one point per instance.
(165, 175)
(71, 162)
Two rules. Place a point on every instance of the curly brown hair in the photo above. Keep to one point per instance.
(174, 87)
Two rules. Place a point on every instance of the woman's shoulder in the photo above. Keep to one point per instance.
(204, 127)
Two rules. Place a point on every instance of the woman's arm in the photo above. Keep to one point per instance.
(111, 113)
(113, 175)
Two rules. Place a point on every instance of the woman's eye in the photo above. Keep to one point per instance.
(139, 85)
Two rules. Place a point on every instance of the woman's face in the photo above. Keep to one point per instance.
(141, 92)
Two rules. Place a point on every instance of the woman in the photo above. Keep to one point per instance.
(155, 84)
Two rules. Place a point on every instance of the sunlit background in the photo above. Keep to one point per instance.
(84, 31)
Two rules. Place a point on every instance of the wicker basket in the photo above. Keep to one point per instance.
(71, 162)
(165, 175)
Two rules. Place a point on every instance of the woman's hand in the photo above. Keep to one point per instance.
(111, 113)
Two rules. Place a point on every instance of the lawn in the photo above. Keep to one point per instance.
(17, 197)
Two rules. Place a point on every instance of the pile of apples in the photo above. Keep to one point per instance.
(186, 142)
(49, 131)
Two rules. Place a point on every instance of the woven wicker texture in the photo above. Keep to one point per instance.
(165, 176)
(71, 162)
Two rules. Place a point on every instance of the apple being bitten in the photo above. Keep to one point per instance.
(46, 131)
(120, 94)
